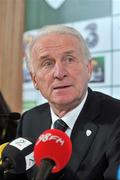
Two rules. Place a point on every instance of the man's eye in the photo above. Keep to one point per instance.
(47, 63)
(69, 59)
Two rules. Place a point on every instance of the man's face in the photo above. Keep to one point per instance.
(60, 71)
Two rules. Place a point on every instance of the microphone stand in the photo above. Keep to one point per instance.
(45, 168)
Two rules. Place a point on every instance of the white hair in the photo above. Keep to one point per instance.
(58, 29)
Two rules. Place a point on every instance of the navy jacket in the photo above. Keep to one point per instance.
(94, 157)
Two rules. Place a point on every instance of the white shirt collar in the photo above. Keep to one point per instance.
(71, 117)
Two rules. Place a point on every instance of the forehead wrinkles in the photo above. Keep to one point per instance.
(47, 50)
(54, 44)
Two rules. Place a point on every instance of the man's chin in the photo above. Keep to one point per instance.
(62, 102)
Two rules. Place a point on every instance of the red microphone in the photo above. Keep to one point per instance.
(52, 152)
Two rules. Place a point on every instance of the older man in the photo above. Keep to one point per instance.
(60, 66)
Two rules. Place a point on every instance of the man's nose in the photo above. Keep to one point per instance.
(60, 71)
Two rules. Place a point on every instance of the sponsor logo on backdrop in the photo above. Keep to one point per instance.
(55, 4)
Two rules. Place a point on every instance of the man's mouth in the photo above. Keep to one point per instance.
(61, 87)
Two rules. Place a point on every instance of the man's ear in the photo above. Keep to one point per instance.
(34, 80)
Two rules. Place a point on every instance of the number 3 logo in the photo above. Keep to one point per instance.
(92, 39)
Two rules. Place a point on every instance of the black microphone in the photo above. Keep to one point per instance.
(7, 120)
(17, 156)
(11, 116)
(8, 117)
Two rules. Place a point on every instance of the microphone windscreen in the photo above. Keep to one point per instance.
(11, 116)
(55, 145)
(14, 116)
(20, 154)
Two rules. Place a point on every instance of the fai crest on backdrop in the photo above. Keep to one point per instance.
(55, 4)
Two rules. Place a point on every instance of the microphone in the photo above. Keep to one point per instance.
(2, 147)
(52, 151)
(17, 156)
(12, 116)
(6, 127)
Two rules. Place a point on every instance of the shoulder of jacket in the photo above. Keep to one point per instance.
(41, 107)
